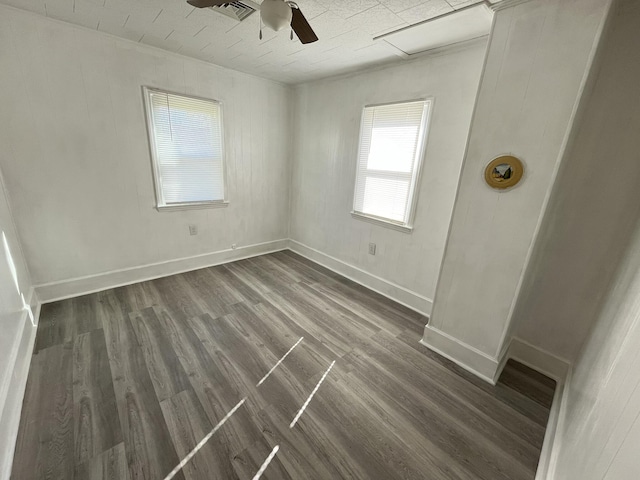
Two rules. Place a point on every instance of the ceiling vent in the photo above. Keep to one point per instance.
(237, 10)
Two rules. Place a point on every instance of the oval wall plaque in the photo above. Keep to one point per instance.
(503, 172)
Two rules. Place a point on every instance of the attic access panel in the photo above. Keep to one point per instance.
(455, 27)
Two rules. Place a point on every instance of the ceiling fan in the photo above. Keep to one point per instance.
(276, 14)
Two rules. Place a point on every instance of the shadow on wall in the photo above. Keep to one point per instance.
(14, 274)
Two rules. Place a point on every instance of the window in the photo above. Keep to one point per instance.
(392, 141)
(185, 136)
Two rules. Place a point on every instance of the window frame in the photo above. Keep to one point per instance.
(161, 205)
(423, 140)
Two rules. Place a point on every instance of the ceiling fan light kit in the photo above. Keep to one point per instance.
(275, 14)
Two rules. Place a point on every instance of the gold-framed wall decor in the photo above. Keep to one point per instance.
(503, 172)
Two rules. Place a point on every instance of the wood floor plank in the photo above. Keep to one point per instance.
(455, 391)
(390, 307)
(214, 296)
(139, 296)
(417, 456)
(165, 370)
(56, 325)
(460, 435)
(211, 383)
(435, 461)
(311, 320)
(176, 297)
(257, 278)
(285, 274)
(271, 273)
(248, 462)
(150, 451)
(188, 425)
(500, 392)
(109, 465)
(351, 429)
(300, 452)
(204, 374)
(529, 383)
(279, 339)
(248, 292)
(342, 317)
(45, 444)
(305, 266)
(359, 304)
(247, 354)
(341, 329)
(287, 389)
(277, 319)
(97, 426)
(83, 311)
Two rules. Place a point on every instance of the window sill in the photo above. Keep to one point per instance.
(382, 223)
(191, 206)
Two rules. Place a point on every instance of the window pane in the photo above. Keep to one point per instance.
(188, 148)
(385, 198)
(390, 149)
(393, 148)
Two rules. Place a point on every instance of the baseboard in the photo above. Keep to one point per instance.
(22, 319)
(402, 295)
(50, 292)
(10, 419)
(557, 417)
(540, 360)
(466, 356)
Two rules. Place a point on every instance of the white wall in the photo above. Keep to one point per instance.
(583, 287)
(14, 326)
(594, 207)
(76, 157)
(539, 54)
(327, 115)
(600, 434)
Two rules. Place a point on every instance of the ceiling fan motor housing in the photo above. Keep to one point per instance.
(276, 14)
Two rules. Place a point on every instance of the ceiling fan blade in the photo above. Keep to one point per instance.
(206, 3)
(302, 28)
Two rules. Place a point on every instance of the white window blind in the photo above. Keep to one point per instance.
(389, 158)
(187, 149)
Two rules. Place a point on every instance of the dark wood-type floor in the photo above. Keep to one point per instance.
(124, 383)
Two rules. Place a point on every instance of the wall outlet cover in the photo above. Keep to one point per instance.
(372, 249)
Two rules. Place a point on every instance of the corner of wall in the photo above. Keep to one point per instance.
(540, 360)
(291, 153)
(397, 293)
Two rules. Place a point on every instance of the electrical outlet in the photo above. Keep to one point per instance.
(233, 246)
(193, 229)
(372, 249)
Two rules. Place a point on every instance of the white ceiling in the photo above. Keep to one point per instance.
(345, 27)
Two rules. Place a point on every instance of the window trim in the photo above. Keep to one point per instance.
(161, 205)
(406, 227)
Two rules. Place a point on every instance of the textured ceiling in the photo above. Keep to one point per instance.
(345, 27)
